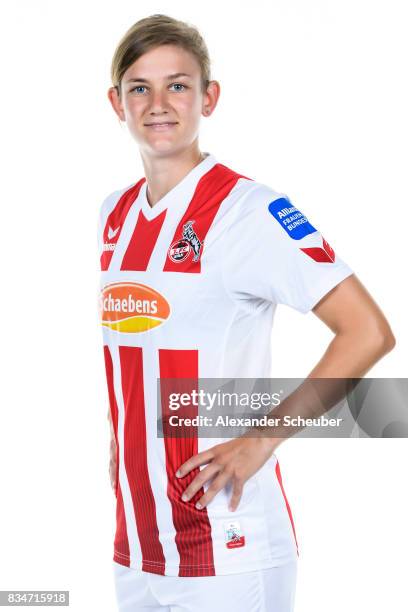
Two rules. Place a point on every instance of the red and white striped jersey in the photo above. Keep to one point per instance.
(189, 288)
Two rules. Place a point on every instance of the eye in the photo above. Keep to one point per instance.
(138, 88)
(179, 86)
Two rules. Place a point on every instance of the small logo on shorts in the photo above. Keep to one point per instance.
(233, 535)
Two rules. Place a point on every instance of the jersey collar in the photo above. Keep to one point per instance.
(181, 193)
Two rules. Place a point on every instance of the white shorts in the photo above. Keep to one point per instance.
(267, 590)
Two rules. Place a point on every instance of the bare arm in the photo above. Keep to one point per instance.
(362, 333)
(362, 337)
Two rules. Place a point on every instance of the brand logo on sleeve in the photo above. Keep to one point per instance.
(233, 535)
(325, 254)
(111, 234)
(189, 242)
(291, 219)
(132, 307)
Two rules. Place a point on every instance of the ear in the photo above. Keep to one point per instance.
(115, 100)
(210, 98)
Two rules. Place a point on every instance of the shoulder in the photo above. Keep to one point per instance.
(256, 200)
(254, 193)
(114, 208)
(260, 194)
(249, 195)
(110, 202)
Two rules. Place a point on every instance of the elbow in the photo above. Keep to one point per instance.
(383, 340)
(388, 341)
(374, 339)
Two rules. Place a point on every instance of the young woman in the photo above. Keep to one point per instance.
(195, 258)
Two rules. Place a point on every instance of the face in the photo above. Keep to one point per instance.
(162, 100)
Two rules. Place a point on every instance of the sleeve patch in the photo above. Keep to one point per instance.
(291, 219)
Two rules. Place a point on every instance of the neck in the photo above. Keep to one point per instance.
(163, 173)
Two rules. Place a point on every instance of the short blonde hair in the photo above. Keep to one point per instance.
(152, 32)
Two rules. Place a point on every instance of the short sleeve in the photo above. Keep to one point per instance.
(273, 252)
(99, 228)
(105, 208)
(103, 212)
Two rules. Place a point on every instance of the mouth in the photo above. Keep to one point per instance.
(163, 125)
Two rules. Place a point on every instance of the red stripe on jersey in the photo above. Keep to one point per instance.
(121, 544)
(115, 221)
(193, 528)
(211, 190)
(113, 407)
(142, 242)
(279, 476)
(135, 450)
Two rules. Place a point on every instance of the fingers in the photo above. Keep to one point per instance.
(216, 486)
(202, 477)
(237, 489)
(195, 461)
(218, 483)
(221, 461)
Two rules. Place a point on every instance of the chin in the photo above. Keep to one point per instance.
(164, 148)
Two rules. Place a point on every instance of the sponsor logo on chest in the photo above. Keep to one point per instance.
(132, 307)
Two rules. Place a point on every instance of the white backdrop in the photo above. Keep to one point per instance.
(313, 103)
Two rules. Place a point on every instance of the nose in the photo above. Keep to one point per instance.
(158, 102)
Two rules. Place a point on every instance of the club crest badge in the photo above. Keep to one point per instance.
(188, 243)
